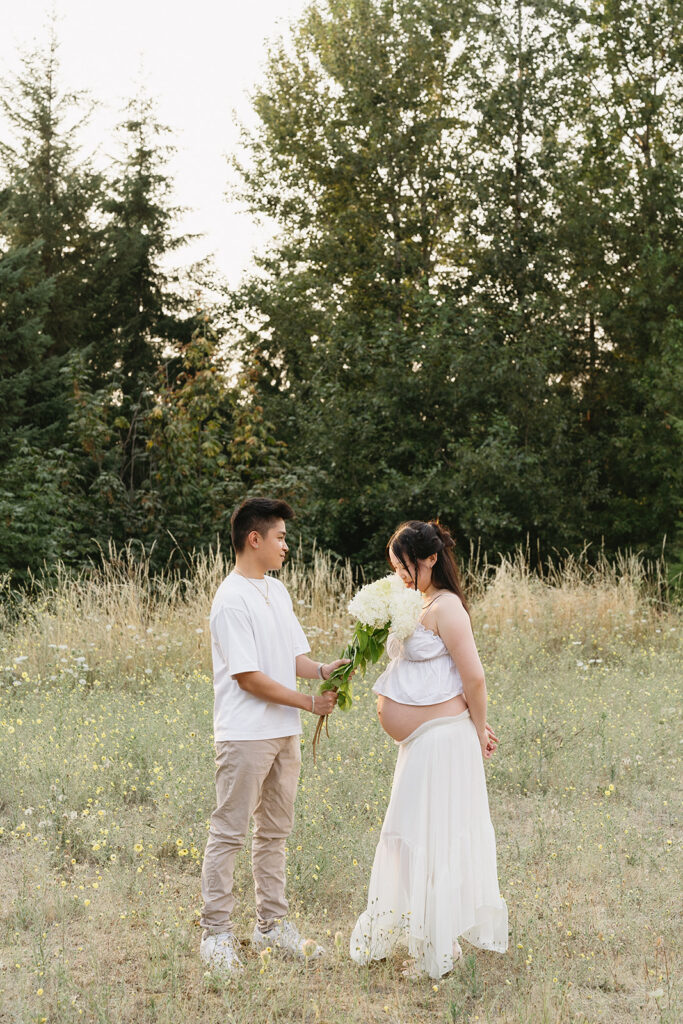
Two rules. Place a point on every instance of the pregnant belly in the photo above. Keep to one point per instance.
(399, 720)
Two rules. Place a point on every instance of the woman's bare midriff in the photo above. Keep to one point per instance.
(399, 720)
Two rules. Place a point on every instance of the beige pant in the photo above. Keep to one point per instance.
(259, 778)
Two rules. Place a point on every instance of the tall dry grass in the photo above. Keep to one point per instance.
(571, 597)
(118, 622)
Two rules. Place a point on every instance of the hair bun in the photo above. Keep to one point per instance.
(443, 533)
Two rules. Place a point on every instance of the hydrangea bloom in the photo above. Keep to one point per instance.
(377, 607)
(387, 601)
(405, 608)
(371, 605)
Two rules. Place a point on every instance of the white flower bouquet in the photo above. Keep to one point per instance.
(378, 608)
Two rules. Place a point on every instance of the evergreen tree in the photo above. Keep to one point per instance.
(32, 483)
(40, 507)
(49, 241)
(209, 446)
(49, 194)
(143, 312)
(24, 370)
(142, 325)
(91, 313)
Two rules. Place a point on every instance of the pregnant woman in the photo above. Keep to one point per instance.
(434, 876)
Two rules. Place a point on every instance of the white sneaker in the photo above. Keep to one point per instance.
(285, 936)
(219, 950)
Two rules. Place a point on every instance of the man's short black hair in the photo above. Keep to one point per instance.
(256, 514)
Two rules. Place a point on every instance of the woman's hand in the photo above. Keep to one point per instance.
(488, 741)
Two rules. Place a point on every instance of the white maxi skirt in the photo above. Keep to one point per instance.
(434, 876)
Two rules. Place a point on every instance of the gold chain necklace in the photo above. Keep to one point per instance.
(258, 589)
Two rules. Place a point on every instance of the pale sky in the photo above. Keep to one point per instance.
(196, 58)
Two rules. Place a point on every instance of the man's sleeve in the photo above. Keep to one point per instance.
(235, 637)
(301, 644)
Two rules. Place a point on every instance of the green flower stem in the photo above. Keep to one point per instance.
(365, 648)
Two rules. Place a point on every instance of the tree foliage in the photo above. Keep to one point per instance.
(471, 306)
(116, 402)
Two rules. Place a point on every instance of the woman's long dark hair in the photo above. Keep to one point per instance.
(415, 539)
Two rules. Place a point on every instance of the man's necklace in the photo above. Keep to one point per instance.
(258, 589)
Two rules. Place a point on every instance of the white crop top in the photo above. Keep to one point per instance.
(421, 670)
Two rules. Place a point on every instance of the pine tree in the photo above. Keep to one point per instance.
(25, 371)
(209, 446)
(91, 315)
(143, 311)
(49, 240)
(49, 194)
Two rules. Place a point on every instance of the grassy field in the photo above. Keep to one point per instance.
(106, 787)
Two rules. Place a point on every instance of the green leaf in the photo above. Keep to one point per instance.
(344, 701)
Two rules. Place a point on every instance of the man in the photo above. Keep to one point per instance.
(258, 650)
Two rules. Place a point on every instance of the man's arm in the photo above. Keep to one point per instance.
(306, 668)
(262, 686)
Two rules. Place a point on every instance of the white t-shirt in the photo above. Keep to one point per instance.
(248, 635)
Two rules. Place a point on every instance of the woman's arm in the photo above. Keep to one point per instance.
(454, 627)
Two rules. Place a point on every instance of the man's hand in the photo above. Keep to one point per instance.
(323, 703)
(333, 666)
